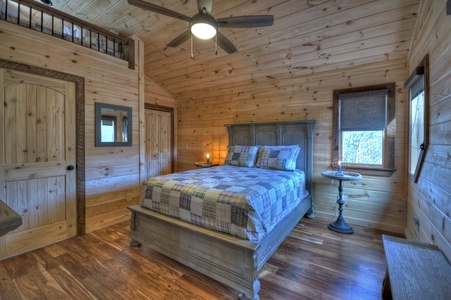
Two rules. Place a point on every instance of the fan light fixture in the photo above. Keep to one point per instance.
(203, 26)
(203, 31)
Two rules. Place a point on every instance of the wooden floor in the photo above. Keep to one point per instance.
(312, 263)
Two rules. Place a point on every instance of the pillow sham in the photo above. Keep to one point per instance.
(244, 156)
(278, 157)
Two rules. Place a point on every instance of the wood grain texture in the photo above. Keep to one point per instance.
(312, 263)
(411, 278)
(38, 186)
(374, 201)
(158, 142)
(107, 80)
(284, 72)
(430, 199)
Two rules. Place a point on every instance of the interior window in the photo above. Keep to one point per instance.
(364, 128)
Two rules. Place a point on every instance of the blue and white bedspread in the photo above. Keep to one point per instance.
(245, 202)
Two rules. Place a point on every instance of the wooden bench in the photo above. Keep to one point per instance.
(9, 219)
(415, 271)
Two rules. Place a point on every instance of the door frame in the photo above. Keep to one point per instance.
(171, 111)
(79, 125)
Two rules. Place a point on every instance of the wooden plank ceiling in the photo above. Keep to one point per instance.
(308, 36)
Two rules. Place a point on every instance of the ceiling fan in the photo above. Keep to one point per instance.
(204, 26)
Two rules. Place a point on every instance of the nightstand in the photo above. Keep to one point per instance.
(205, 165)
(340, 225)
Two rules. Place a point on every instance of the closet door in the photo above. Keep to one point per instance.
(37, 159)
(158, 142)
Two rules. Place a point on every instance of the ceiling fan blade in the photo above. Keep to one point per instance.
(246, 21)
(207, 4)
(225, 44)
(180, 39)
(158, 9)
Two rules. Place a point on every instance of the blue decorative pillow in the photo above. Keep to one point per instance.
(244, 156)
(278, 157)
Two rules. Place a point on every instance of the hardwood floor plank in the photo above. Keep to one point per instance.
(140, 287)
(49, 287)
(7, 289)
(74, 288)
(312, 263)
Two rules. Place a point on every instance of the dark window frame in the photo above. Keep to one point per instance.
(421, 72)
(388, 164)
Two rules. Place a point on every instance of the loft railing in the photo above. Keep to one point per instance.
(45, 19)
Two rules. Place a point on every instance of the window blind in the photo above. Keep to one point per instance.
(364, 111)
(417, 87)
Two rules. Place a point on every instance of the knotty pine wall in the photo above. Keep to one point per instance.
(377, 202)
(154, 94)
(430, 198)
(111, 172)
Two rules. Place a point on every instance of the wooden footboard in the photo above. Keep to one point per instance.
(225, 258)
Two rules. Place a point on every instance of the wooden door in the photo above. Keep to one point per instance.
(37, 153)
(158, 142)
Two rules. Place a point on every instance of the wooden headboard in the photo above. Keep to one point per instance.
(279, 134)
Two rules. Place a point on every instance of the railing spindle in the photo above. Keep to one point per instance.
(81, 36)
(18, 13)
(103, 36)
(6, 10)
(30, 18)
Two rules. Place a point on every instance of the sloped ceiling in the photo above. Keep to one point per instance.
(308, 36)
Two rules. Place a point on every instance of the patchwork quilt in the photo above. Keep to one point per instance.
(241, 201)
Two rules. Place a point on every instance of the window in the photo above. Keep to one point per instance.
(418, 118)
(364, 128)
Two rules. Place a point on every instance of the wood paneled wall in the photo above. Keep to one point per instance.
(111, 173)
(377, 202)
(430, 198)
(156, 95)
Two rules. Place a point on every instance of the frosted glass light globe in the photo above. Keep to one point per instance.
(203, 31)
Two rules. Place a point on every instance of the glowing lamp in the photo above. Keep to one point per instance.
(207, 157)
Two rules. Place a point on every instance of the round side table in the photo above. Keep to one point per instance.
(340, 224)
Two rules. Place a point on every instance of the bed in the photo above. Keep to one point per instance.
(234, 255)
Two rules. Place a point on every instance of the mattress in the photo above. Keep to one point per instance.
(244, 202)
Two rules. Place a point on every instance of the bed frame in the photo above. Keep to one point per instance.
(225, 258)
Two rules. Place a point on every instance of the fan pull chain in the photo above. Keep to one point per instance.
(216, 44)
(192, 55)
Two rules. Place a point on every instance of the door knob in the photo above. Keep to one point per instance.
(70, 167)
